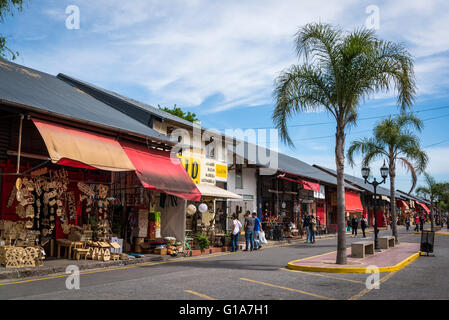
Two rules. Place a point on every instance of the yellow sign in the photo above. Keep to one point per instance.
(221, 171)
(192, 166)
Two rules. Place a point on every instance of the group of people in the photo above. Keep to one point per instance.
(309, 224)
(354, 225)
(252, 228)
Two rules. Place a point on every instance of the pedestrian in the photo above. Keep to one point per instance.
(249, 231)
(312, 227)
(236, 227)
(407, 223)
(348, 223)
(421, 223)
(257, 243)
(355, 225)
(416, 223)
(305, 225)
(363, 224)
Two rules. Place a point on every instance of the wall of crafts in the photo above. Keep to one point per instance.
(48, 203)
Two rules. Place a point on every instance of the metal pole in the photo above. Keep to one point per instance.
(376, 246)
(20, 144)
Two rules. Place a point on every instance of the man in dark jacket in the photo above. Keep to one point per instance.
(363, 225)
(306, 225)
(354, 225)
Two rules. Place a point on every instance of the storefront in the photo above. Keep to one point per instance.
(75, 191)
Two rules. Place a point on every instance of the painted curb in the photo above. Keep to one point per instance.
(440, 233)
(396, 267)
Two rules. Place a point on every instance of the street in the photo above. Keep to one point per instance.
(257, 275)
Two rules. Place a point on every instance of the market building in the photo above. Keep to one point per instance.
(383, 199)
(73, 168)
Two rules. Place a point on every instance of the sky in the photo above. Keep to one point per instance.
(219, 59)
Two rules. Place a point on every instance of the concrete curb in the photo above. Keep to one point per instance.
(396, 267)
(440, 233)
(43, 271)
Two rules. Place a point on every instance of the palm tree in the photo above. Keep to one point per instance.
(433, 191)
(393, 142)
(340, 70)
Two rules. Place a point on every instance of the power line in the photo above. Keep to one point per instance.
(361, 119)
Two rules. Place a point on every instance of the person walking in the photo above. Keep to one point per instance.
(421, 223)
(407, 223)
(312, 227)
(236, 227)
(363, 225)
(305, 225)
(355, 225)
(416, 223)
(249, 231)
(257, 228)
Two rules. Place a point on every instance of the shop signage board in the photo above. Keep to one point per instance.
(205, 171)
(320, 194)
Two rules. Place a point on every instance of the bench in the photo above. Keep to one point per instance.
(362, 248)
(385, 242)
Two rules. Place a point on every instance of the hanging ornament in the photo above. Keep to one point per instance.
(202, 208)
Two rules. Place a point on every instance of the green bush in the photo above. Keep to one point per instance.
(203, 241)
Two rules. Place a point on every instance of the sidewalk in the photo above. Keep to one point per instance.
(52, 265)
(389, 260)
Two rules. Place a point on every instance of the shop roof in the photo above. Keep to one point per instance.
(359, 182)
(410, 197)
(289, 164)
(135, 109)
(41, 92)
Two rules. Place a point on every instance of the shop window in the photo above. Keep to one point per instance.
(238, 178)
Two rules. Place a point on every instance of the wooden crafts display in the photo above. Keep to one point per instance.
(21, 257)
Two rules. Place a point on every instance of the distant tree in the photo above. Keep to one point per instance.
(395, 143)
(176, 111)
(434, 191)
(7, 7)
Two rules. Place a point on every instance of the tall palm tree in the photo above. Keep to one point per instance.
(394, 142)
(433, 191)
(340, 70)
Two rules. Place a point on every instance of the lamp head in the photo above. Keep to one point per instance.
(365, 172)
(384, 171)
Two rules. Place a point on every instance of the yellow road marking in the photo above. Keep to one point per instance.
(323, 276)
(288, 289)
(200, 295)
(366, 290)
(146, 264)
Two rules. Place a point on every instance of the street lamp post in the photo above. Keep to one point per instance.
(374, 183)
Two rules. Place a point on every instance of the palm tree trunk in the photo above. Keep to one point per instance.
(432, 228)
(340, 164)
(394, 226)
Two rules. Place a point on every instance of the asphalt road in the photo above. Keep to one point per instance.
(254, 275)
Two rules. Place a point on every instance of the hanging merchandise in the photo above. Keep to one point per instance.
(202, 208)
(191, 209)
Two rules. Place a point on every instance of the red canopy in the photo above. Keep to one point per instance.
(306, 184)
(158, 171)
(352, 202)
(423, 206)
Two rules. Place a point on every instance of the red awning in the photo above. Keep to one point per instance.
(306, 184)
(352, 202)
(403, 204)
(423, 206)
(158, 171)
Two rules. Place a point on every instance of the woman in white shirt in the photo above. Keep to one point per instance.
(236, 227)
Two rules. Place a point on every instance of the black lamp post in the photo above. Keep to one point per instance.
(374, 183)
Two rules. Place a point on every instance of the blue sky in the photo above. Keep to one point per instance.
(219, 59)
